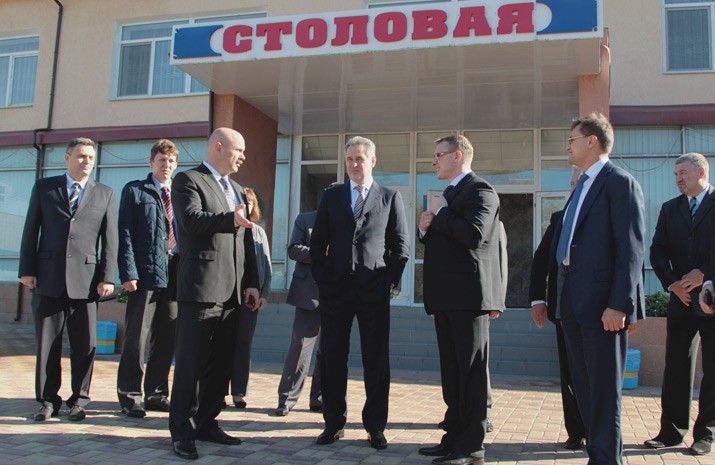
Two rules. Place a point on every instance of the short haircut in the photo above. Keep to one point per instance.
(164, 146)
(364, 141)
(252, 198)
(79, 141)
(597, 125)
(697, 159)
(461, 143)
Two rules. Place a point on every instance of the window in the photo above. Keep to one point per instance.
(689, 35)
(18, 68)
(144, 68)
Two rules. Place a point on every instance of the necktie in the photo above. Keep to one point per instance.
(359, 202)
(565, 236)
(166, 200)
(693, 207)
(447, 191)
(228, 193)
(74, 198)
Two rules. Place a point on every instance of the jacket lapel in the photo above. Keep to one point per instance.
(211, 184)
(372, 199)
(86, 195)
(704, 208)
(593, 192)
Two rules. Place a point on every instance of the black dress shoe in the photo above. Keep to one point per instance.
(377, 440)
(574, 443)
(701, 447)
(329, 436)
(218, 436)
(240, 404)
(659, 442)
(490, 426)
(316, 408)
(459, 459)
(160, 404)
(441, 426)
(186, 449)
(77, 413)
(135, 411)
(440, 450)
(282, 410)
(46, 412)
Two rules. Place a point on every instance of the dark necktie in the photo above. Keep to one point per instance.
(693, 207)
(74, 198)
(447, 191)
(359, 203)
(565, 236)
(166, 200)
(228, 193)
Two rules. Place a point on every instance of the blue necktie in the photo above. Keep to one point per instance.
(693, 207)
(569, 220)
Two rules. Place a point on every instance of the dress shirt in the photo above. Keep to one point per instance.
(218, 176)
(354, 193)
(70, 183)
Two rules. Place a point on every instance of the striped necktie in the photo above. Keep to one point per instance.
(166, 200)
(359, 202)
(74, 198)
(228, 193)
(693, 207)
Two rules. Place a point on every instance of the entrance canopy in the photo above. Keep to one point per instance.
(410, 67)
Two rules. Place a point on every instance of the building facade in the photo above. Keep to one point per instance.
(299, 78)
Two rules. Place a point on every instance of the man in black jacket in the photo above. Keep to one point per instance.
(148, 256)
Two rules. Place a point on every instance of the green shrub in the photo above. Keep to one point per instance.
(656, 304)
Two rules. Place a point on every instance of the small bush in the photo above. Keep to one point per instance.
(656, 304)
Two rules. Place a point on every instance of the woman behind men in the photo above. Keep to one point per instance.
(246, 317)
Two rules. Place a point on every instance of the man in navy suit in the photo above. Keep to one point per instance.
(597, 257)
(680, 255)
(67, 257)
(463, 290)
(358, 251)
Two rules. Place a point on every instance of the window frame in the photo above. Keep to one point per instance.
(13, 56)
(708, 5)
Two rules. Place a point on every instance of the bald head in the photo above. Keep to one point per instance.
(225, 150)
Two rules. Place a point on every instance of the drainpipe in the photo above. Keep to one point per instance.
(211, 113)
(35, 132)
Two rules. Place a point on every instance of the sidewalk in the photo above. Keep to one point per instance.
(526, 416)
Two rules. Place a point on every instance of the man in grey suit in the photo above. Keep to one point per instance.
(303, 293)
(217, 256)
(358, 251)
(68, 257)
(148, 257)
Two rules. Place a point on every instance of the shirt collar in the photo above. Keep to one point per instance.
(596, 168)
(71, 181)
(159, 185)
(213, 170)
(701, 195)
(367, 185)
(458, 178)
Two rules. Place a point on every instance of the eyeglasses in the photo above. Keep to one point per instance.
(571, 139)
(439, 155)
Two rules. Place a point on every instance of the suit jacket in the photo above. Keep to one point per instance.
(375, 249)
(143, 235)
(303, 292)
(65, 252)
(607, 249)
(216, 257)
(538, 288)
(461, 264)
(681, 244)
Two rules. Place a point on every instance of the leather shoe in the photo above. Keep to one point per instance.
(701, 447)
(441, 426)
(77, 413)
(316, 408)
(282, 411)
(135, 411)
(186, 449)
(574, 443)
(490, 426)
(659, 443)
(440, 450)
(459, 459)
(218, 436)
(329, 436)
(377, 440)
(160, 404)
(46, 412)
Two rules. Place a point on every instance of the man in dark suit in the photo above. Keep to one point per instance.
(462, 290)
(148, 258)
(543, 305)
(217, 256)
(303, 293)
(358, 250)
(680, 253)
(596, 257)
(67, 257)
